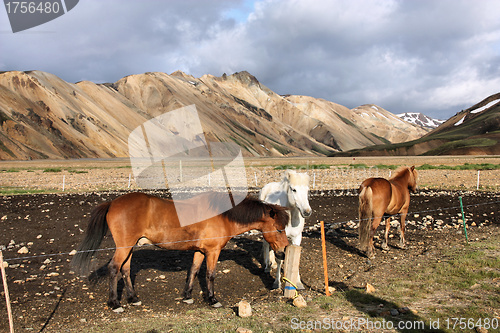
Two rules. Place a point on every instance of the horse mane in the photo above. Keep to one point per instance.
(400, 171)
(412, 175)
(294, 178)
(252, 209)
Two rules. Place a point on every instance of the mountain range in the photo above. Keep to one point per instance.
(473, 131)
(43, 116)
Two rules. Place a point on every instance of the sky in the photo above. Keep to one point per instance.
(431, 56)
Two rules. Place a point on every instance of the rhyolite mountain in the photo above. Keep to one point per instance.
(43, 116)
(473, 131)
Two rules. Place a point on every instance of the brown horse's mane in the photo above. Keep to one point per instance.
(400, 171)
(252, 209)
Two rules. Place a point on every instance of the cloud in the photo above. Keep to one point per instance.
(435, 57)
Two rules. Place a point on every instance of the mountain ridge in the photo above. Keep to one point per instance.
(43, 116)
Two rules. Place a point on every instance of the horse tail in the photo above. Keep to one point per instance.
(365, 216)
(96, 230)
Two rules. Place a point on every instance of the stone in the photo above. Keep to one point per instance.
(394, 312)
(243, 330)
(244, 309)
(23, 250)
(299, 302)
(369, 288)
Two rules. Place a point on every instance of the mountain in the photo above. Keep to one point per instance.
(474, 131)
(42, 116)
(420, 119)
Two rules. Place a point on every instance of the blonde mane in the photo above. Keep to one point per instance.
(296, 179)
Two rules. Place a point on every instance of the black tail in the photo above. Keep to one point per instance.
(96, 230)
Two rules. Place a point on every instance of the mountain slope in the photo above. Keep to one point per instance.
(42, 116)
(474, 131)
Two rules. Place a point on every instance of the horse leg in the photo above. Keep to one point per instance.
(385, 245)
(212, 258)
(268, 256)
(114, 267)
(371, 248)
(402, 240)
(193, 272)
(277, 280)
(132, 296)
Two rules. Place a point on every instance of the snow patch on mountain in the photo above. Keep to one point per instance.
(420, 119)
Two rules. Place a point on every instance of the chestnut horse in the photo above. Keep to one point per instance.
(135, 216)
(381, 198)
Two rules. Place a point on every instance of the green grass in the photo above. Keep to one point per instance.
(52, 170)
(16, 190)
(466, 166)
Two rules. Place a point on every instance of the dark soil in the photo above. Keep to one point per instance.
(47, 296)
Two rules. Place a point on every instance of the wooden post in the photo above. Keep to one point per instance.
(292, 260)
(325, 268)
(7, 297)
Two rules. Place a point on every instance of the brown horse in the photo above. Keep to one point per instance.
(381, 198)
(136, 216)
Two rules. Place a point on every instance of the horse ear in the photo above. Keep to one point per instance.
(412, 168)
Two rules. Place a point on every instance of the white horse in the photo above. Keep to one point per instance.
(291, 192)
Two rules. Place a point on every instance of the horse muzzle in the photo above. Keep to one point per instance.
(280, 255)
(306, 213)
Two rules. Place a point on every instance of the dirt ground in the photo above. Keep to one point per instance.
(46, 296)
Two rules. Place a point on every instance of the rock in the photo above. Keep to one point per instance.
(299, 302)
(332, 289)
(5, 264)
(244, 309)
(72, 253)
(369, 288)
(394, 312)
(118, 310)
(23, 250)
(243, 330)
(226, 271)
(481, 330)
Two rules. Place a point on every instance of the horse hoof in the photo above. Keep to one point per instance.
(217, 305)
(118, 310)
(188, 301)
(300, 286)
(276, 285)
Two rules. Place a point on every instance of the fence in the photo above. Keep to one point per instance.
(338, 181)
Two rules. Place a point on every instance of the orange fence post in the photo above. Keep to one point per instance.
(325, 268)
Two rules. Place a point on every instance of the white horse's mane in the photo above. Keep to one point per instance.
(294, 178)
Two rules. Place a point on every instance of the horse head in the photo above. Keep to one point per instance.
(298, 191)
(275, 220)
(412, 180)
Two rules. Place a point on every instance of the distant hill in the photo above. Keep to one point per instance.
(420, 119)
(474, 131)
(42, 116)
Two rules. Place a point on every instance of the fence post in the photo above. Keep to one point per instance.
(129, 179)
(7, 297)
(291, 269)
(463, 219)
(477, 187)
(325, 268)
(64, 182)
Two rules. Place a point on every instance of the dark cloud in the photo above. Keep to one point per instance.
(435, 57)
